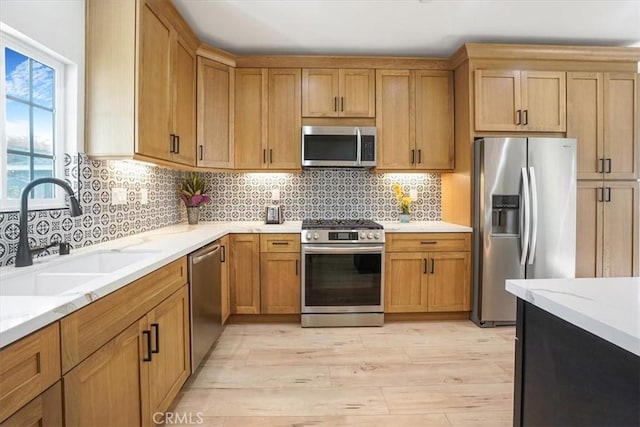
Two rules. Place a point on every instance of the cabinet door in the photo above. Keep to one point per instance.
(589, 209)
(111, 384)
(251, 104)
(155, 86)
(43, 411)
(434, 120)
(620, 230)
(395, 119)
(280, 283)
(544, 96)
(357, 93)
(449, 279)
(620, 140)
(320, 92)
(285, 119)
(497, 99)
(184, 103)
(225, 295)
(244, 273)
(585, 122)
(171, 361)
(215, 140)
(405, 282)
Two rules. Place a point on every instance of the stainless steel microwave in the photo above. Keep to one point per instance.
(338, 146)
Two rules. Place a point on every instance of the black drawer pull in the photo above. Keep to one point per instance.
(280, 243)
(148, 335)
(157, 334)
(297, 266)
(428, 242)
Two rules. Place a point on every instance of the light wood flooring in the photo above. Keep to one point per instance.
(444, 373)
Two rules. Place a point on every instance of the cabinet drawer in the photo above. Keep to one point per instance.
(44, 411)
(89, 328)
(422, 242)
(280, 242)
(27, 368)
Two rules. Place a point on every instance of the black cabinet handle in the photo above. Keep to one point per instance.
(148, 335)
(177, 144)
(608, 165)
(172, 143)
(201, 147)
(280, 243)
(157, 334)
(519, 117)
(428, 242)
(601, 168)
(335, 103)
(223, 254)
(608, 194)
(419, 156)
(526, 117)
(413, 156)
(600, 194)
(264, 155)
(270, 155)
(342, 103)
(433, 266)
(424, 266)
(297, 266)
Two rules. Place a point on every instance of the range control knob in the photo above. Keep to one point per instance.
(308, 236)
(363, 235)
(370, 236)
(376, 236)
(316, 236)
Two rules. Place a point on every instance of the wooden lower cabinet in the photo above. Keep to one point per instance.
(280, 283)
(136, 374)
(244, 273)
(607, 229)
(43, 411)
(433, 281)
(225, 295)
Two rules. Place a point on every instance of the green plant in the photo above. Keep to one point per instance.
(192, 191)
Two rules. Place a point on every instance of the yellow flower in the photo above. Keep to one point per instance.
(404, 200)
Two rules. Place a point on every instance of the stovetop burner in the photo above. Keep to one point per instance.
(340, 224)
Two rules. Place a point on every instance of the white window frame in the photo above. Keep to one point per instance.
(39, 54)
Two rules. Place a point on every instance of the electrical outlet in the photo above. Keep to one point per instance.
(118, 196)
(144, 196)
(275, 194)
(413, 194)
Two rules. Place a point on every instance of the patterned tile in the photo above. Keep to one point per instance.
(315, 193)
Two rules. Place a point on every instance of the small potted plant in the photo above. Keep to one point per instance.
(404, 201)
(193, 193)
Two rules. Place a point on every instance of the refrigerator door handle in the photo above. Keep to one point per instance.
(534, 214)
(524, 237)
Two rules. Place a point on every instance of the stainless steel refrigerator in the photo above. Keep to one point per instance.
(524, 219)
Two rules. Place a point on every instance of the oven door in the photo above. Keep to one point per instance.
(342, 278)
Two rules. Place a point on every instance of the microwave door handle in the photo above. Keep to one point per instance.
(358, 146)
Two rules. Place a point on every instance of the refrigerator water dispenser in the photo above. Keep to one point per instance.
(505, 214)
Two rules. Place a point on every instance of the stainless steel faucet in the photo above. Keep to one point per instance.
(24, 256)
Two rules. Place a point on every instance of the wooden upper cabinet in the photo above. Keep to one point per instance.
(513, 100)
(601, 110)
(184, 103)
(620, 138)
(414, 120)
(155, 86)
(215, 115)
(332, 92)
(140, 83)
(251, 106)
(434, 120)
(268, 120)
(285, 121)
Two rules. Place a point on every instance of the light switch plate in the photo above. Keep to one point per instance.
(118, 196)
(413, 194)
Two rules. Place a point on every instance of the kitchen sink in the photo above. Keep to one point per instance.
(44, 284)
(103, 261)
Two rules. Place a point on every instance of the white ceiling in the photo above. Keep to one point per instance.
(405, 27)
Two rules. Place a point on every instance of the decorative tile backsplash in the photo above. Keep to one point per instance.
(314, 193)
(320, 193)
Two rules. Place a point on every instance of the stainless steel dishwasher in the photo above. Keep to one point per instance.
(205, 300)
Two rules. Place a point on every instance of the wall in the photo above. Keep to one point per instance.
(100, 221)
(320, 193)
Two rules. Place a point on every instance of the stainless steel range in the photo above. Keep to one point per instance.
(342, 273)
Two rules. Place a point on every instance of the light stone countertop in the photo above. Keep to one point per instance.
(606, 307)
(22, 315)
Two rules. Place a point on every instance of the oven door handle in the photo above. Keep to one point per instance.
(330, 250)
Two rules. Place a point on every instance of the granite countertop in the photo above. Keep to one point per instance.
(606, 307)
(22, 315)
